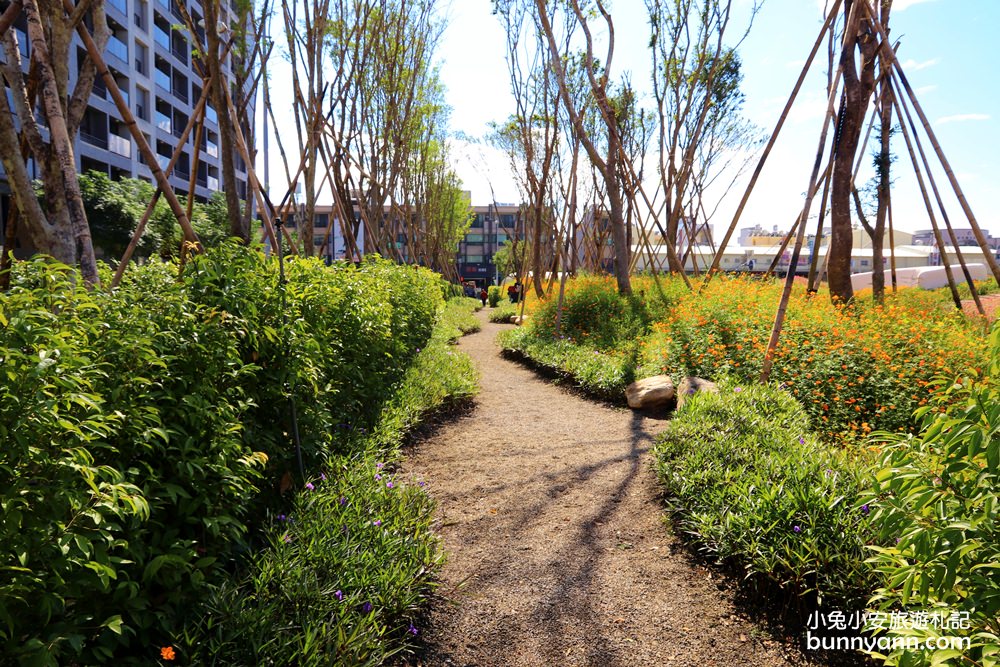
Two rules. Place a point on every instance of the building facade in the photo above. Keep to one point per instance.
(154, 65)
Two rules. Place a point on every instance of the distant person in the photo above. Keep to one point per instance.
(750, 265)
(483, 294)
(518, 289)
(512, 293)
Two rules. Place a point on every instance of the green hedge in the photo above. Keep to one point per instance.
(604, 374)
(146, 430)
(748, 483)
(350, 563)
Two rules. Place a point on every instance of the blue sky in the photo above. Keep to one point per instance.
(948, 49)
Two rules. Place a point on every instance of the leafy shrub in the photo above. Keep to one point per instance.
(142, 420)
(750, 486)
(327, 559)
(502, 313)
(938, 495)
(604, 374)
(593, 314)
(457, 318)
(131, 482)
(493, 295)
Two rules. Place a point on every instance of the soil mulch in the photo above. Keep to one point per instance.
(991, 302)
(557, 549)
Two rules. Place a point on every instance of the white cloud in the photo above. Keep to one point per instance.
(912, 65)
(795, 64)
(925, 90)
(900, 5)
(961, 118)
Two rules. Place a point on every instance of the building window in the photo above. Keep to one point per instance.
(473, 238)
(142, 103)
(474, 259)
(141, 58)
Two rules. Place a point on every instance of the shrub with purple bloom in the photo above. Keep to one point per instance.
(388, 485)
(366, 608)
(339, 595)
(413, 630)
(343, 500)
(796, 529)
(865, 509)
(377, 522)
(309, 486)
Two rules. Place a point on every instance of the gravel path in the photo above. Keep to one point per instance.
(557, 552)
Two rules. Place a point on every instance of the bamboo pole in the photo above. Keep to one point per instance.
(930, 208)
(141, 227)
(976, 230)
(786, 292)
(770, 144)
(129, 120)
(944, 212)
(892, 247)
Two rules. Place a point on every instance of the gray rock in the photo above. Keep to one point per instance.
(650, 392)
(692, 385)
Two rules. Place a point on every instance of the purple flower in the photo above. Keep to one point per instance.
(379, 465)
(802, 440)
(343, 500)
(281, 517)
(829, 472)
(366, 607)
(287, 538)
(865, 509)
(388, 485)
(377, 522)
(339, 595)
(378, 477)
(418, 349)
(322, 476)
(412, 630)
(422, 483)
(796, 529)
(738, 389)
(310, 486)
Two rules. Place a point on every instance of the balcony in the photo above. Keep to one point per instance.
(120, 145)
(161, 37)
(118, 49)
(100, 142)
(212, 149)
(120, 5)
(163, 161)
(210, 115)
(162, 121)
(212, 184)
(162, 79)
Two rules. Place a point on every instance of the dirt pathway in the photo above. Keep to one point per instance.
(557, 551)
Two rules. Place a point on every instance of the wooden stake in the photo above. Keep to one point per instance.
(147, 153)
(770, 144)
(199, 111)
(976, 230)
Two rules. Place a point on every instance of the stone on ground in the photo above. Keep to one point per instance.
(650, 392)
(690, 386)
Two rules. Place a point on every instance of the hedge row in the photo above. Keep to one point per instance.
(148, 431)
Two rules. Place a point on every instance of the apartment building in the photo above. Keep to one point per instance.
(153, 63)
